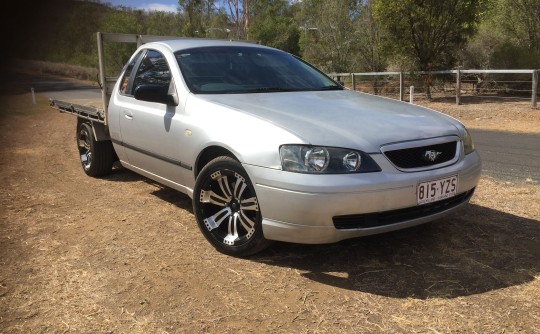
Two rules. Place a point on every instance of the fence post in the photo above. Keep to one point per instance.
(411, 93)
(401, 92)
(353, 82)
(458, 87)
(534, 89)
(33, 95)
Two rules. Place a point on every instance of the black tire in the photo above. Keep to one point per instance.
(97, 157)
(227, 210)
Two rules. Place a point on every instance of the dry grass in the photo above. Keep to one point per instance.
(123, 255)
(482, 113)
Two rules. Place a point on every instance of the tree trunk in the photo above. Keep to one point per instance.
(427, 85)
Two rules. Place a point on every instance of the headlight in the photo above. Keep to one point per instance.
(317, 159)
(468, 145)
(325, 160)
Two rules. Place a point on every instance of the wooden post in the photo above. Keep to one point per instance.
(353, 82)
(534, 89)
(401, 90)
(458, 87)
(411, 94)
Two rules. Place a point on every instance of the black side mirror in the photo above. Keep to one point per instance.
(155, 93)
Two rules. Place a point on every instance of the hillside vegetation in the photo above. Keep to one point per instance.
(337, 36)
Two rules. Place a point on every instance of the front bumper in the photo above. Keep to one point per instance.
(301, 208)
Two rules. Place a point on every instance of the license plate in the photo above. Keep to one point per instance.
(436, 190)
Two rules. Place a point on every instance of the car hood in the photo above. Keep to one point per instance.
(342, 118)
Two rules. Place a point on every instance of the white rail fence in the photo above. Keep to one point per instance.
(506, 84)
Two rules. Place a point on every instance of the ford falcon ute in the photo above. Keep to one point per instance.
(270, 148)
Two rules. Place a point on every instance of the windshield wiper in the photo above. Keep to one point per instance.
(251, 90)
(274, 89)
(331, 87)
(271, 89)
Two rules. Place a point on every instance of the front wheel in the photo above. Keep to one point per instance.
(227, 209)
(97, 157)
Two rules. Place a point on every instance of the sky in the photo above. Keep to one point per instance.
(161, 5)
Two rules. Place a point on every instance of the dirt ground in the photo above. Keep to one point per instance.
(490, 114)
(124, 255)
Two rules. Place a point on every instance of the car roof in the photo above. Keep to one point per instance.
(188, 43)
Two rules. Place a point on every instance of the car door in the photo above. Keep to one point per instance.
(152, 133)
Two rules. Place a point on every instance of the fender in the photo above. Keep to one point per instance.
(101, 131)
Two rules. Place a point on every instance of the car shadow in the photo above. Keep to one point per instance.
(476, 251)
(121, 174)
(172, 196)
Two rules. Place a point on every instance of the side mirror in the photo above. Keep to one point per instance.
(155, 93)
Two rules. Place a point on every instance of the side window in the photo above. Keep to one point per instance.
(127, 73)
(153, 70)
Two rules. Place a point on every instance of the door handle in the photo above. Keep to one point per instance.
(128, 114)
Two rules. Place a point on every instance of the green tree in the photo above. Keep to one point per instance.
(57, 30)
(430, 32)
(163, 24)
(76, 43)
(508, 37)
(370, 37)
(327, 39)
(192, 11)
(239, 17)
(127, 21)
(273, 24)
(518, 21)
(218, 25)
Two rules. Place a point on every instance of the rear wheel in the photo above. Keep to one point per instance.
(97, 157)
(227, 209)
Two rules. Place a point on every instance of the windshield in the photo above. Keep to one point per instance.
(228, 69)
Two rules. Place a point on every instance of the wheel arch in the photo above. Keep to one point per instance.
(208, 154)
